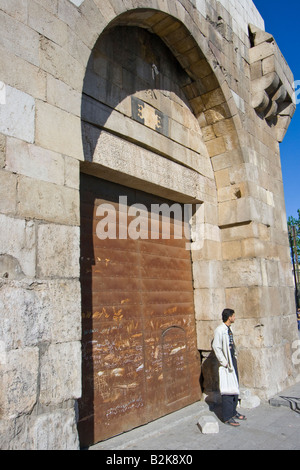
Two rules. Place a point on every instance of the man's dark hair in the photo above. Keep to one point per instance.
(227, 312)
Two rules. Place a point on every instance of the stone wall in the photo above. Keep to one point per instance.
(219, 150)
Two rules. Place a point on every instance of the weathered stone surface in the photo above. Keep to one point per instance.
(58, 251)
(60, 378)
(42, 21)
(35, 162)
(22, 75)
(16, 36)
(211, 300)
(17, 115)
(47, 431)
(62, 96)
(39, 312)
(58, 130)
(208, 274)
(19, 382)
(47, 201)
(17, 239)
(53, 431)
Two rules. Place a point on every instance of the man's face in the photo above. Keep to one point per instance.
(232, 318)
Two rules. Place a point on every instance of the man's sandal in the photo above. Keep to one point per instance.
(232, 422)
(240, 417)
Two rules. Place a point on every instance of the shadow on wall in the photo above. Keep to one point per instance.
(209, 382)
(117, 77)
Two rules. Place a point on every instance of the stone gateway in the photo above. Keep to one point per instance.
(159, 103)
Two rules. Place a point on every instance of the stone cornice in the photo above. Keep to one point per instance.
(271, 82)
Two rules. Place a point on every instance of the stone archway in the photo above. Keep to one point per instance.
(142, 111)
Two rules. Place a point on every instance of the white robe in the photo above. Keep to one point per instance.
(228, 381)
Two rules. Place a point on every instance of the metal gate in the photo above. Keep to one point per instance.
(139, 359)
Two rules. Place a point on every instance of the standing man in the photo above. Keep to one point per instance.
(224, 348)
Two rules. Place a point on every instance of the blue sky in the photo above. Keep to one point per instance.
(282, 21)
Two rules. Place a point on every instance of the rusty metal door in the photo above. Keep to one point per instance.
(139, 359)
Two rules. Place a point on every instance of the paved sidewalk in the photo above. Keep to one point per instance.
(268, 427)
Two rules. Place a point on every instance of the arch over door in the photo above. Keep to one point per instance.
(140, 359)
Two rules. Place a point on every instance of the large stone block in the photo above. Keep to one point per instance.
(209, 303)
(253, 301)
(268, 370)
(16, 9)
(56, 430)
(20, 74)
(17, 115)
(58, 62)
(207, 274)
(35, 162)
(205, 334)
(47, 201)
(58, 251)
(19, 382)
(39, 312)
(245, 210)
(26, 322)
(63, 302)
(62, 96)
(58, 130)
(242, 272)
(18, 38)
(79, 24)
(49, 430)
(17, 239)
(60, 378)
(45, 23)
